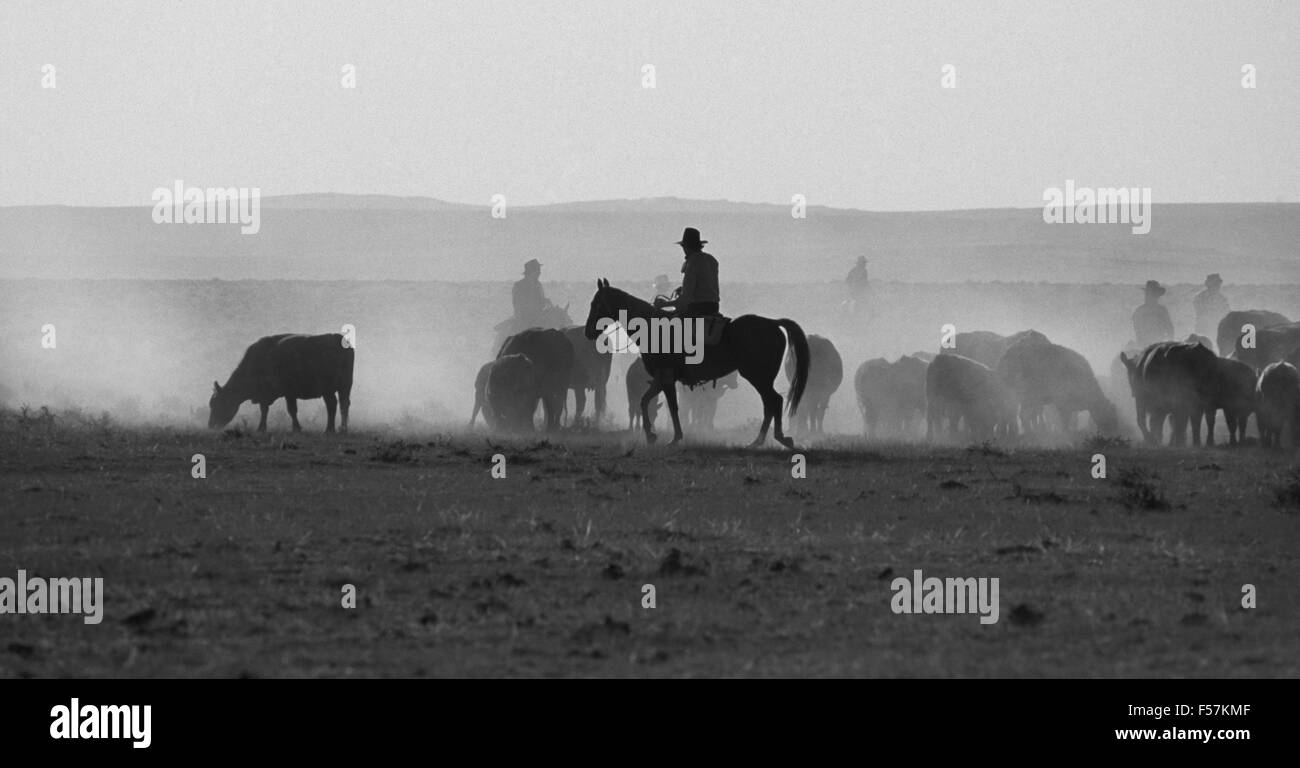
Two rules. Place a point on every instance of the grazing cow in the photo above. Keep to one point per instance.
(1204, 341)
(1230, 326)
(1042, 374)
(825, 374)
(1278, 395)
(1233, 391)
(512, 391)
(1175, 379)
(890, 394)
(987, 347)
(553, 359)
(293, 366)
(925, 357)
(700, 403)
(637, 382)
(480, 398)
(959, 388)
(1271, 345)
(590, 371)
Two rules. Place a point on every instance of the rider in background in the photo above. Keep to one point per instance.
(529, 299)
(859, 286)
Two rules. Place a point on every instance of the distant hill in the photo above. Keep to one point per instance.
(374, 237)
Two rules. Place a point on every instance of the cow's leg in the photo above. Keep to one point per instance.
(579, 404)
(1156, 426)
(261, 424)
(600, 404)
(647, 421)
(1194, 416)
(291, 404)
(1209, 426)
(331, 404)
(345, 402)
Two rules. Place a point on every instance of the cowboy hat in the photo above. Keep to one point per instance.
(691, 238)
(532, 264)
(1214, 279)
(1153, 286)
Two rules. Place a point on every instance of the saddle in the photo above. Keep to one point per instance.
(714, 325)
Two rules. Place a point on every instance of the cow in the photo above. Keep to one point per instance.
(958, 388)
(1042, 374)
(1233, 391)
(637, 382)
(1171, 378)
(825, 374)
(289, 365)
(552, 358)
(512, 390)
(1230, 326)
(1271, 345)
(890, 394)
(590, 371)
(480, 398)
(1278, 394)
(700, 403)
(987, 347)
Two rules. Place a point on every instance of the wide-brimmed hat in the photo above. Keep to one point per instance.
(1154, 287)
(691, 238)
(1214, 279)
(532, 264)
(862, 259)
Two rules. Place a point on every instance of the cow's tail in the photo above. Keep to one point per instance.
(799, 343)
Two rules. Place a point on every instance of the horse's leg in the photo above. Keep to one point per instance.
(647, 421)
(670, 395)
(767, 411)
(291, 404)
(774, 400)
(331, 403)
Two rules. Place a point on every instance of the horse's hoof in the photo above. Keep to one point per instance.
(651, 438)
(756, 444)
(675, 441)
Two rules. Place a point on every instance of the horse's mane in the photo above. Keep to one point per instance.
(636, 305)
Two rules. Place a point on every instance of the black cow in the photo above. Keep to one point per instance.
(958, 389)
(1233, 391)
(1042, 374)
(590, 371)
(552, 358)
(1278, 392)
(293, 366)
(1174, 379)
(889, 394)
(825, 374)
(1271, 345)
(1230, 326)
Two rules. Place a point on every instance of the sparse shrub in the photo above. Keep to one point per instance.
(1098, 442)
(1139, 489)
(396, 452)
(1287, 495)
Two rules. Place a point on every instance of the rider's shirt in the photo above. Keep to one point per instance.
(699, 280)
(529, 299)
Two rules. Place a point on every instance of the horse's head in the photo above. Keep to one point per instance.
(599, 309)
(222, 407)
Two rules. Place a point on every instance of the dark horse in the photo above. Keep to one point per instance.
(750, 344)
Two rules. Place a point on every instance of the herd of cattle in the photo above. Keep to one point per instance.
(986, 385)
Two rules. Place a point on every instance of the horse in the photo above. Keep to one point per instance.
(750, 344)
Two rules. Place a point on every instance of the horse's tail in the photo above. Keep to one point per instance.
(799, 342)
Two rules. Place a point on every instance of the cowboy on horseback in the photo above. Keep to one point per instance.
(530, 301)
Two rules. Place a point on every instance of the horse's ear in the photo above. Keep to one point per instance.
(215, 387)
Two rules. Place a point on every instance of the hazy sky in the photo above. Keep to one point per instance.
(543, 102)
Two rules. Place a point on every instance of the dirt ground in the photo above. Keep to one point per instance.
(541, 573)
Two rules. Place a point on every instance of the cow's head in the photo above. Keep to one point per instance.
(1131, 366)
(1105, 417)
(222, 407)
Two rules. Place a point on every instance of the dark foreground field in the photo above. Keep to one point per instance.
(541, 573)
